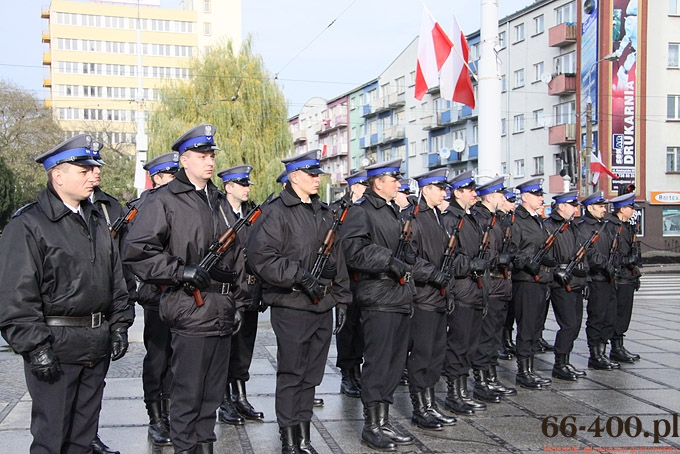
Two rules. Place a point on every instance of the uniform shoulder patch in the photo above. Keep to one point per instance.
(22, 209)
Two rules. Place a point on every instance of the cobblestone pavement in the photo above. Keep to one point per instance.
(647, 392)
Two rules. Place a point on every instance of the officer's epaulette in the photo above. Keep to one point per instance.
(22, 209)
(360, 201)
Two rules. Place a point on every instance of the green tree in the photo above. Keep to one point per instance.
(27, 129)
(233, 91)
(6, 194)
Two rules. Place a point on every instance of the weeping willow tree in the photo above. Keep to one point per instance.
(234, 92)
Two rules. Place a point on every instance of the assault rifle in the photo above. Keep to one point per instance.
(612, 254)
(405, 236)
(324, 252)
(563, 277)
(124, 220)
(449, 251)
(636, 252)
(222, 245)
(484, 247)
(548, 244)
(507, 238)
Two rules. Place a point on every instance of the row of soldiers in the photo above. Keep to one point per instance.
(424, 286)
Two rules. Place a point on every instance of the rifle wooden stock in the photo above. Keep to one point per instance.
(507, 238)
(614, 249)
(405, 235)
(484, 246)
(449, 251)
(548, 244)
(120, 222)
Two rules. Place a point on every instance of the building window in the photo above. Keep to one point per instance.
(519, 78)
(504, 83)
(504, 168)
(519, 123)
(538, 118)
(539, 69)
(502, 40)
(475, 134)
(538, 165)
(412, 113)
(565, 113)
(423, 146)
(673, 159)
(207, 29)
(411, 78)
(206, 6)
(673, 55)
(401, 84)
(565, 64)
(519, 168)
(519, 33)
(565, 13)
(673, 107)
(504, 126)
(673, 7)
(538, 25)
(412, 150)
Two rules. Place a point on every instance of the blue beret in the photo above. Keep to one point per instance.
(496, 185)
(463, 180)
(436, 177)
(76, 150)
(535, 186)
(307, 162)
(239, 174)
(391, 168)
(510, 194)
(566, 197)
(283, 177)
(359, 177)
(624, 201)
(594, 198)
(405, 186)
(199, 138)
(167, 162)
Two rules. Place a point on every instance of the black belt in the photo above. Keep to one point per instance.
(498, 274)
(547, 269)
(381, 276)
(92, 320)
(222, 288)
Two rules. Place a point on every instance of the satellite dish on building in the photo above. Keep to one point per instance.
(365, 162)
(458, 145)
(546, 77)
(444, 153)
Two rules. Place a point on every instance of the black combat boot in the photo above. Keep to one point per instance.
(545, 345)
(318, 402)
(508, 344)
(560, 369)
(165, 412)
(597, 360)
(158, 433)
(240, 400)
(98, 447)
(400, 438)
(524, 377)
(205, 448)
(619, 354)
(454, 401)
(481, 389)
(614, 364)
(495, 384)
(227, 412)
(465, 396)
(303, 440)
(348, 386)
(356, 375)
(635, 356)
(432, 408)
(575, 371)
(371, 433)
(287, 435)
(421, 417)
(541, 380)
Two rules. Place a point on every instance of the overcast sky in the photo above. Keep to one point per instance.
(296, 39)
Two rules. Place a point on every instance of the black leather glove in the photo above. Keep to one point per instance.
(532, 268)
(450, 303)
(561, 277)
(119, 343)
(196, 276)
(398, 268)
(329, 272)
(310, 285)
(439, 279)
(479, 265)
(261, 307)
(340, 318)
(409, 255)
(238, 321)
(504, 259)
(586, 292)
(549, 262)
(44, 364)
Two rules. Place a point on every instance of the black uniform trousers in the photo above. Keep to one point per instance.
(242, 347)
(491, 335)
(427, 349)
(385, 349)
(65, 414)
(624, 308)
(529, 299)
(156, 372)
(569, 315)
(462, 340)
(510, 317)
(302, 339)
(199, 368)
(350, 340)
(601, 312)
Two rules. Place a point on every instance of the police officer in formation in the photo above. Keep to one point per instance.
(490, 213)
(63, 300)
(350, 340)
(566, 290)
(165, 245)
(235, 405)
(282, 252)
(156, 372)
(507, 349)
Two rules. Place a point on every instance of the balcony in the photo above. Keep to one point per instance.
(562, 134)
(392, 134)
(396, 99)
(562, 84)
(299, 136)
(433, 161)
(562, 35)
(46, 36)
(379, 105)
(47, 59)
(367, 110)
(48, 103)
(473, 152)
(47, 83)
(340, 121)
(431, 122)
(45, 12)
(328, 125)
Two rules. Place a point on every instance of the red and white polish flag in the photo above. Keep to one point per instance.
(597, 167)
(455, 83)
(434, 48)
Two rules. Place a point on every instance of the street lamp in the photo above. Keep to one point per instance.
(588, 150)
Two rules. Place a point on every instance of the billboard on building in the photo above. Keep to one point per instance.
(624, 93)
(589, 61)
